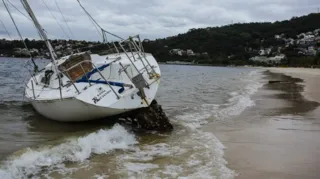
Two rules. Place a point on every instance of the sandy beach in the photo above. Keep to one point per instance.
(278, 137)
(311, 80)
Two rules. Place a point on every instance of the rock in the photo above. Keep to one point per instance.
(277, 81)
(149, 118)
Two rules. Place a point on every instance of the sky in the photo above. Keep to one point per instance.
(150, 18)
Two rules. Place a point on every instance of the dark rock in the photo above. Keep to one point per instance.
(277, 81)
(149, 118)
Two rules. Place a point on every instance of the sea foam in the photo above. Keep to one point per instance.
(195, 155)
(237, 102)
(33, 161)
(241, 99)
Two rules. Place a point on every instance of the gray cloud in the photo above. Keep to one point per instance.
(150, 18)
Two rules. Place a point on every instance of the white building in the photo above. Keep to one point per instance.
(58, 47)
(275, 59)
(309, 33)
(190, 52)
(278, 58)
(33, 50)
(176, 52)
(266, 51)
(302, 35)
(277, 37)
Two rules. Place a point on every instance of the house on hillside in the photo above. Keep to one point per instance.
(264, 52)
(58, 47)
(289, 41)
(176, 52)
(281, 36)
(309, 33)
(311, 51)
(190, 52)
(277, 58)
(205, 54)
(302, 35)
(270, 60)
(34, 51)
(277, 37)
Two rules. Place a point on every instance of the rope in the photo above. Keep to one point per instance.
(91, 19)
(56, 20)
(25, 45)
(96, 24)
(5, 29)
(18, 10)
(64, 19)
(21, 13)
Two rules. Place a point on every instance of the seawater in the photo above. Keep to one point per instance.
(192, 96)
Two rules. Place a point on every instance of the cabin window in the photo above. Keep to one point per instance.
(76, 66)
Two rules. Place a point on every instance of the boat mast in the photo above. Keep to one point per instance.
(44, 36)
(40, 29)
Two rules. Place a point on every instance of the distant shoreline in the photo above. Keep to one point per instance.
(196, 64)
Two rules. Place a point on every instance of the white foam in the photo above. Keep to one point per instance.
(195, 155)
(139, 167)
(103, 176)
(173, 170)
(196, 117)
(241, 99)
(32, 161)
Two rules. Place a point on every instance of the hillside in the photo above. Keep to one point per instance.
(232, 44)
(294, 42)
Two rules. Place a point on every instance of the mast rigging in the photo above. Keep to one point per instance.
(96, 24)
(25, 45)
(5, 29)
(55, 19)
(64, 19)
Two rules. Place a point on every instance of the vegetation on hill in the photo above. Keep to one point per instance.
(226, 45)
(233, 44)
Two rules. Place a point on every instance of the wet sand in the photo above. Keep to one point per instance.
(279, 136)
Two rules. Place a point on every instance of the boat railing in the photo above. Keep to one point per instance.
(132, 47)
(86, 75)
(136, 46)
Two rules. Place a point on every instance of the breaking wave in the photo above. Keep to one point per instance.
(237, 102)
(195, 155)
(33, 162)
(241, 99)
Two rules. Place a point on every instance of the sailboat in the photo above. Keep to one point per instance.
(86, 86)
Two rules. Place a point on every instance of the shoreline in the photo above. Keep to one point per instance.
(310, 76)
(275, 138)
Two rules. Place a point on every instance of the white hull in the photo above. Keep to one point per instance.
(73, 110)
(84, 101)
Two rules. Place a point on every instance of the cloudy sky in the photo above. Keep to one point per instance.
(149, 18)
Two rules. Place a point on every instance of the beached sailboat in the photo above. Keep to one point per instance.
(86, 86)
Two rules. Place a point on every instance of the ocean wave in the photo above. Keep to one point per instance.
(196, 154)
(34, 162)
(238, 101)
(241, 99)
